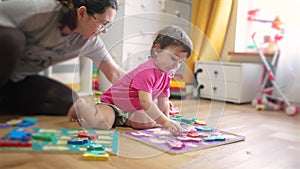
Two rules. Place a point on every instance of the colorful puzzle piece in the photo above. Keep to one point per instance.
(14, 122)
(78, 141)
(137, 133)
(19, 135)
(200, 122)
(96, 155)
(14, 143)
(193, 134)
(25, 124)
(22, 122)
(214, 138)
(175, 144)
(4, 125)
(43, 136)
(188, 128)
(189, 139)
(204, 128)
(95, 147)
(88, 135)
(30, 119)
(188, 120)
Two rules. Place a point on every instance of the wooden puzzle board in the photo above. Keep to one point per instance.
(157, 138)
(108, 138)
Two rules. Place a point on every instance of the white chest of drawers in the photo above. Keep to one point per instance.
(228, 81)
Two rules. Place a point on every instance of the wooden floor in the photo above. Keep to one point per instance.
(272, 142)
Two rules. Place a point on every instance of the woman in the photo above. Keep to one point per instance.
(36, 34)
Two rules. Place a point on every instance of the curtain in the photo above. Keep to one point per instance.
(210, 20)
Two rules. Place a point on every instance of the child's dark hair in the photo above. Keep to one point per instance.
(68, 15)
(173, 35)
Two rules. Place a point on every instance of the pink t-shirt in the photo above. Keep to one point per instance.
(146, 77)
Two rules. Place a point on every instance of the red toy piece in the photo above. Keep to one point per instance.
(85, 134)
(14, 143)
(193, 134)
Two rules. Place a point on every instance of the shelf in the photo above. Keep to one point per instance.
(254, 54)
(252, 57)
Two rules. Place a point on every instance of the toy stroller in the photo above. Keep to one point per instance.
(265, 100)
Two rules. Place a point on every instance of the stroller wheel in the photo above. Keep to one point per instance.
(291, 110)
(256, 101)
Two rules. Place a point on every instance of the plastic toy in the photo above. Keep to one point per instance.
(14, 143)
(14, 122)
(25, 124)
(188, 139)
(95, 155)
(4, 125)
(265, 99)
(204, 128)
(214, 138)
(178, 87)
(77, 141)
(85, 134)
(175, 144)
(22, 122)
(43, 136)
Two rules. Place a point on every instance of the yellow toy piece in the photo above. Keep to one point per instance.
(96, 155)
(180, 84)
(200, 122)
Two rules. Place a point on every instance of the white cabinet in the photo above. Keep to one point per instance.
(226, 81)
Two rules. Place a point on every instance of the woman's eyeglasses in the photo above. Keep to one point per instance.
(103, 27)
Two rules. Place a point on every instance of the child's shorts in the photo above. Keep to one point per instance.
(121, 116)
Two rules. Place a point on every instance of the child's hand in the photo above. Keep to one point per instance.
(174, 127)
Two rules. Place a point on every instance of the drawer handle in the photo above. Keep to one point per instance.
(216, 73)
(195, 76)
(215, 88)
(201, 87)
